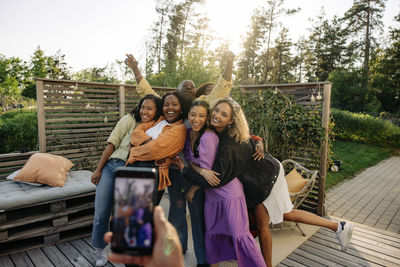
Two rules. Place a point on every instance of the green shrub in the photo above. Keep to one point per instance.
(18, 131)
(284, 125)
(365, 128)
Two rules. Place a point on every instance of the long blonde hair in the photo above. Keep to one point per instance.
(239, 129)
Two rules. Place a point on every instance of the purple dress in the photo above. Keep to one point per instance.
(225, 212)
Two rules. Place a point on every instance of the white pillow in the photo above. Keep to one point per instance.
(12, 176)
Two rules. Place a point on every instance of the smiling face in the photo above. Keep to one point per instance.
(197, 117)
(172, 108)
(221, 116)
(148, 110)
(186, 89)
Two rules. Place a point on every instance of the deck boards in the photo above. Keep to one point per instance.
(369, 247)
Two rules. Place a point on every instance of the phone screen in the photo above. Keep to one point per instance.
(133, 212)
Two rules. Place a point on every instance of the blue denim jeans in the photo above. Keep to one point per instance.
(103, 203)
(177, 214)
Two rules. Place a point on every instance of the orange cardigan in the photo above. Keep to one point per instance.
(168, 144)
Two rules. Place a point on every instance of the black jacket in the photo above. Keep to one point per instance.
(235, 160)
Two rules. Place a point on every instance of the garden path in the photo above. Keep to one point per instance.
(371, 198)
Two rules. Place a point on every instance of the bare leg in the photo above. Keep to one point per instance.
(309, 218)
(214, 265)
(262, 219)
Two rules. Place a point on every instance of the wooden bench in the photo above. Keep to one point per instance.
(65, 214)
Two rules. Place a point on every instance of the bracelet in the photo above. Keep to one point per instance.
(256, 138)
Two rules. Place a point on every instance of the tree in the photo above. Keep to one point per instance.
(385, 73)
(12, 72)
(328, 48)
(154, 46)
(347, 93)
(282, 66)
(271, 14)
(362, 19)
(42, 66)
(249, 64)
(105, 74)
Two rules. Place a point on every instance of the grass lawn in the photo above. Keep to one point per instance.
(356, 157)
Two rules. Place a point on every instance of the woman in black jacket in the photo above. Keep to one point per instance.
(263, 180)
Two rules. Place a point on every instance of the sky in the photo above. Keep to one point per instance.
(94, 33)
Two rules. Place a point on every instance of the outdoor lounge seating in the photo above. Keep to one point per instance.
(34, 216)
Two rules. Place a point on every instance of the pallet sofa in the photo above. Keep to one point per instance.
(32, 216)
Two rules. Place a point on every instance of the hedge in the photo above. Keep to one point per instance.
(365, 128)
(18, 131)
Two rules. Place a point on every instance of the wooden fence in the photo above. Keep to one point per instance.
(76, 118)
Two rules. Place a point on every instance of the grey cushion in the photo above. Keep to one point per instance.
(14, 194)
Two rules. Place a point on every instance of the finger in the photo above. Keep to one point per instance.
(215, 178)
(123, 258)
(107, 237)
(215, 173)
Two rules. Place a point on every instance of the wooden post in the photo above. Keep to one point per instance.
(121, 101)
(40, 114)
(324, 149)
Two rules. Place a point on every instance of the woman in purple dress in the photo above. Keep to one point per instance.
(225, 211)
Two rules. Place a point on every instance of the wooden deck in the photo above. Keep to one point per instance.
(74, 253)
(369, 247)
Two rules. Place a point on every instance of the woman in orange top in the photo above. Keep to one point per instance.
(160, 140)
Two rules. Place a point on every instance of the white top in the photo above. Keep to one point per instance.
(155, 131)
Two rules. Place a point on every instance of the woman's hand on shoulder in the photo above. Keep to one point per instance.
(259, 151)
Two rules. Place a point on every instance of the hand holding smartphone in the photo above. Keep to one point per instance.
(134, 195)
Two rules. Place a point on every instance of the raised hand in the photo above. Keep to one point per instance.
(131, 62)
(228, 55)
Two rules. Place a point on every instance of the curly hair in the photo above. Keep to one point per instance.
(136, 110)
(239, 129)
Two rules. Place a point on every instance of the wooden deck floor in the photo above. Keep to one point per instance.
(369, 247)
(74, 253)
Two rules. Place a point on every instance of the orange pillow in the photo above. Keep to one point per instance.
(46, 169)
(295, 181)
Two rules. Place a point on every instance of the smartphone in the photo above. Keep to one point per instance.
(134, 195)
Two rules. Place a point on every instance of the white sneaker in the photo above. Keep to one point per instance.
(101, 258)
(345, 235)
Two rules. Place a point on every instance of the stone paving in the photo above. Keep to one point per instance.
(371, 198)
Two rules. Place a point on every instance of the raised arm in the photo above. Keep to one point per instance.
(229, 56)
(143, 87)
(224, 84)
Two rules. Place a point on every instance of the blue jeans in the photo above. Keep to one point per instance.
(177, 214)
(103, 203)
